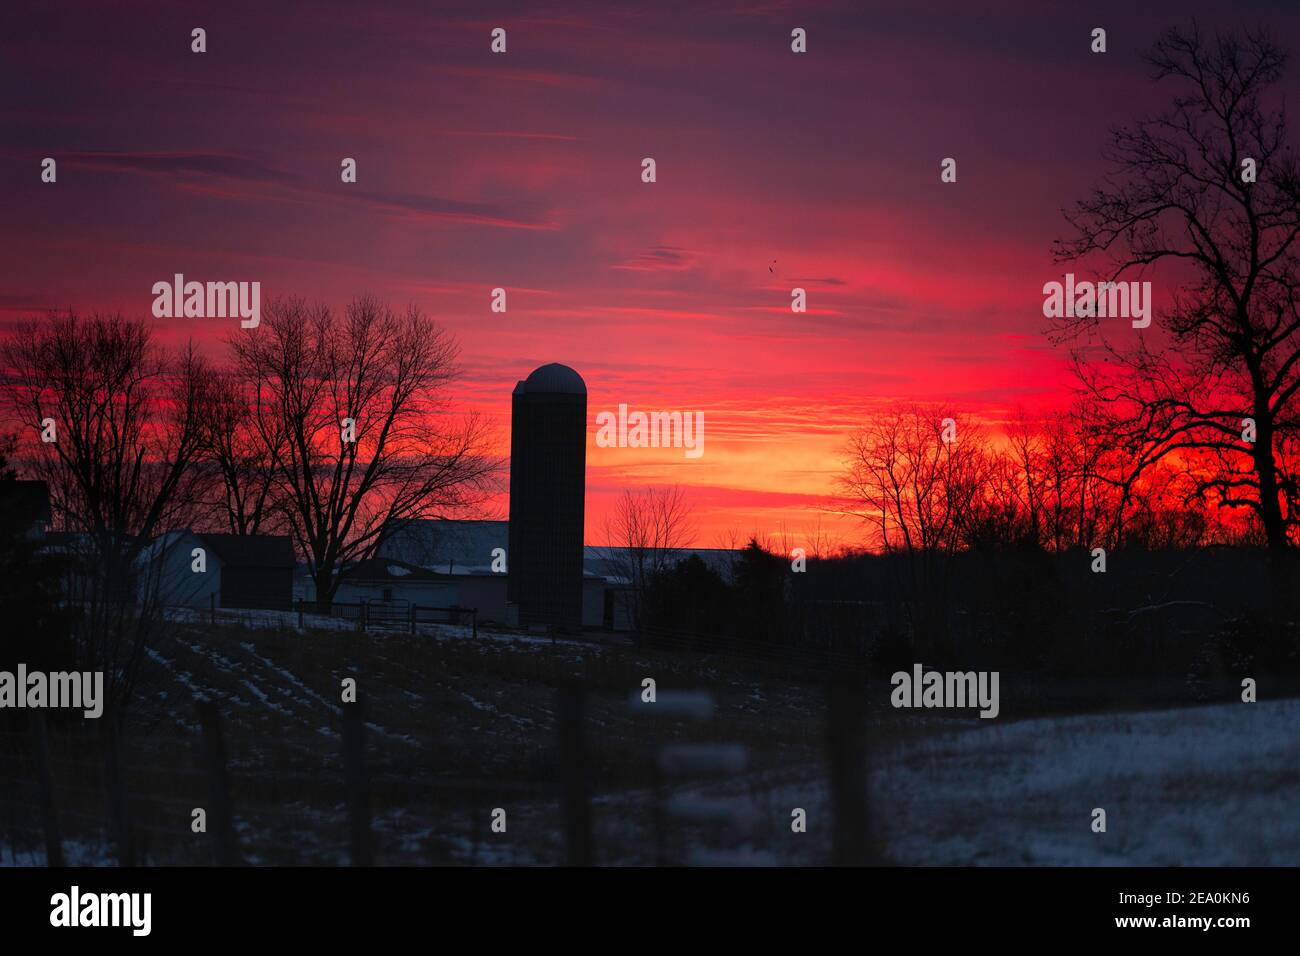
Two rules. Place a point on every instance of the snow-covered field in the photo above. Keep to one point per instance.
(458, 725)
(1202, 786)
(1199, 786)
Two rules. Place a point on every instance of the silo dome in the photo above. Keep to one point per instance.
(555, 379)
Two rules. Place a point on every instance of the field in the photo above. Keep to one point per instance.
(457, 726)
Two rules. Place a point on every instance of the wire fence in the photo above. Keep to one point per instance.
(85, 794)
(820, 662)
(358, 615)
(243, 775)
(73, 796)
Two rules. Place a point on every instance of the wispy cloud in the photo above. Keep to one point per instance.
(658, 259)
(224, 165)
(216, 172)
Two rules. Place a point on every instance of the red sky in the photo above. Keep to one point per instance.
(522, 171)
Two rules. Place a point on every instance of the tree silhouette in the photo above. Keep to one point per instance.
(915, 481)
(241, 458)
(126, 427)
(644, 537)
(343, 490)
(1229, 349)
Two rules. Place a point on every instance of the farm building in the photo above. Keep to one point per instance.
(464, 551)
(241, 571)
(393, 582)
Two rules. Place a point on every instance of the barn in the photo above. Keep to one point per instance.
(389, 581)
(237, 571)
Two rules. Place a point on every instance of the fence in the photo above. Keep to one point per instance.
(67, 798)
(369, 614)
(360, 615)
(821, 661)
(818, 661)
(83, 796)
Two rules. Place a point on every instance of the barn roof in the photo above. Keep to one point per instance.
(251, 550)
(445, 545)
(387, 569)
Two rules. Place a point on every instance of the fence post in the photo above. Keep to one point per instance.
(658, 813)
(411, 611)
(846, 741)
(45, 783)
(119, 822)
(301, 622)
(221, 829)
(573, 775)
(354, 768)
(362, 613)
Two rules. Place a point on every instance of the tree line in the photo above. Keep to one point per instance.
(331, 427)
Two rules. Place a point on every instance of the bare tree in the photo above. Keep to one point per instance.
(354, 412)
(816, 542)
(1181, 191)
(113, 427)
(644, 537)
(243, 458)
(999, 516)
(914, 476)
(910, 483)
(1072, 479)
(1074, 486)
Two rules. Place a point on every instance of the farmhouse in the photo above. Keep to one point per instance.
(465, 552)
(189, 569)
(393, 582)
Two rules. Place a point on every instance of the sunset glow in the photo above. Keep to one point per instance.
(819, 172)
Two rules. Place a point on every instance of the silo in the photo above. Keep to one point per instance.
(548, 477)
